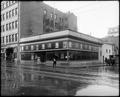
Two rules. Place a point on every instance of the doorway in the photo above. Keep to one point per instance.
(9, 54)
(42, 55)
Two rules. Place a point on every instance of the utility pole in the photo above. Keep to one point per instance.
(54, 17)
(18, 46)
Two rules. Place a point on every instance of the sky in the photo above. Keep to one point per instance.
(93, 17)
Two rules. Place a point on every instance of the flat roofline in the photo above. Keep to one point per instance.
(62, 33)
(108, 43)
(85, 34)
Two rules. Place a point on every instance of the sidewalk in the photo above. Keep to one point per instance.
(66, 65)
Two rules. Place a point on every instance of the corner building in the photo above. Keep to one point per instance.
(47, 32)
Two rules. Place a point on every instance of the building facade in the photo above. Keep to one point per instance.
(107, 50)
(113, 31)
(9, 26)
(32, 29)
(66, 45)
(25, 19)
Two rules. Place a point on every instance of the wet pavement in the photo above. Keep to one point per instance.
(30, 80)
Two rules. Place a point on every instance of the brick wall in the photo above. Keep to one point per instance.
(31, 19)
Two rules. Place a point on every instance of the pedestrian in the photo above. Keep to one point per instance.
(106, 61)
(112, 61)
(54, 62)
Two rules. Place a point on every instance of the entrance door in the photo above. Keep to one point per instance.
(9, 54)
(43, 56)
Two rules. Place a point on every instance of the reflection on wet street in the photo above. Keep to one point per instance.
(30, 79)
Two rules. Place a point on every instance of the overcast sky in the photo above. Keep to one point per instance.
(93, 17)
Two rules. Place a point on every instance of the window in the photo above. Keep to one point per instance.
(55, 16)
(89, 47)
(6, 27)
(26, 47)
(32, 47)
(37, 47)
(13, 25)
(6, 15)
(9, 26)
(6, 3)
(3, 5)
(16, 24)
(10, 2)
(9, 38)
(49, 45)
(6, 39)
(10, 14)
(16, 37)
(16, 11)
(3, 39)
(56, 45)
(43, 46)
(3, 17)
(65, 44)
(70, 44)
(77, 45)
(22, 48)
(13, 38)
(13, 1)
(51, 15)
(3, 28)
(60, 19)
(45, 12)
(106, 51)
(109, 51)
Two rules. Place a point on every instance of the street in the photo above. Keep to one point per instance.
(44, 80)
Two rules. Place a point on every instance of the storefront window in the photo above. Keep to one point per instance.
(59, 55)
(25, 56)
(83, 55)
